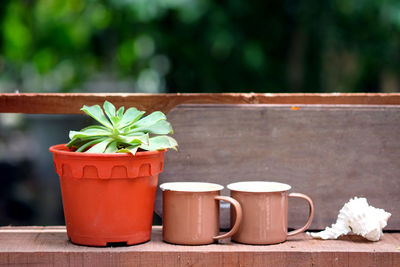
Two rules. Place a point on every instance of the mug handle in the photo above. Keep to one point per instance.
(238, 210)
(310, 216)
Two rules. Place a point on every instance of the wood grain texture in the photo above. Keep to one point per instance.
(329, 152)
(48, 246)
(71, 103)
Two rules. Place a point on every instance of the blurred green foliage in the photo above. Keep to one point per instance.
(199, 46)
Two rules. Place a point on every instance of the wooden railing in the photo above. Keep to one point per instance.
(71, 103)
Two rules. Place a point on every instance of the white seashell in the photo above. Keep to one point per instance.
(358, 217)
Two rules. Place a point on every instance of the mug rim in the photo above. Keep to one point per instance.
(258, 186)
(186, 187)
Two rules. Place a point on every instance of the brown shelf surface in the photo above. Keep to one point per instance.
(49, 246)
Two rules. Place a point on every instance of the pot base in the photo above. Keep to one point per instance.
(128, 240)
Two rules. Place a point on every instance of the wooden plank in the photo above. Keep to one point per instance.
(329, 152)
(41, 247)
(71, 103)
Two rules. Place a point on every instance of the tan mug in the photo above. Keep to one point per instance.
(265, 212)
(191, 213)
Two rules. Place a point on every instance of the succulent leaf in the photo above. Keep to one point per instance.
(158, 127)
(130, 117)
(88, 144)
(100, 147)
(151, 119)
(160, 142)
(110, 112)
(129, 149)
(87, 133)
(120, 112)
(98, 127)
(97, 113)
(112, 147)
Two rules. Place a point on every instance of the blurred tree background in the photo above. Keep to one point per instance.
(199, 46)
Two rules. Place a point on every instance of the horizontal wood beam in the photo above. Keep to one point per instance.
(32, 103)
(49, 246)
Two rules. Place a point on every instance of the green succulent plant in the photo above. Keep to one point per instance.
(121, 131)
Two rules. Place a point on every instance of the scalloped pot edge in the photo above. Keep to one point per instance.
(106, 166)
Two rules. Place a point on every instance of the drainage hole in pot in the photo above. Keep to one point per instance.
(117, 244)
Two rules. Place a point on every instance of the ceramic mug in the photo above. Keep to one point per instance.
(265, 212)
(191, 213)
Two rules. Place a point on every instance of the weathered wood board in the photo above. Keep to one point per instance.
(56, 103)
(49, 246)
(329, 152)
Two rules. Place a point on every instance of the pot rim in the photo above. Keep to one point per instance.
(258, 187)
(191, 187)
(62, 149)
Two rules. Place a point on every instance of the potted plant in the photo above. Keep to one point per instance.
(109, 175)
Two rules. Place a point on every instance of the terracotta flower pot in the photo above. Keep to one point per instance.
(108, 197)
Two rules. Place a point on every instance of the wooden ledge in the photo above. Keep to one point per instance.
(48, 246)
(57, 103)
